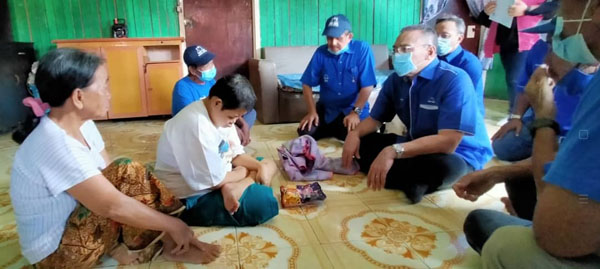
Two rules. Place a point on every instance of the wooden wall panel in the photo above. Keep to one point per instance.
(301, 22)
(41, 21)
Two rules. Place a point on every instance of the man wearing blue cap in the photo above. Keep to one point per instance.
(196, 85)
(345, 71)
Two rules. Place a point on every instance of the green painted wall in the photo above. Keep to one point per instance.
(495, 83)
(301, 22)
(41, 21)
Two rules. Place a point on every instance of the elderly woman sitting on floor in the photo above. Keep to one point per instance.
(71, 203)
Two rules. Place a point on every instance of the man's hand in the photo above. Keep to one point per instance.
(539, 91)
(490, 8)
(517, 9)
(307, 122)
(473, 185)
(380, 168)
(351, 121)
(350, 150)
(513, 124)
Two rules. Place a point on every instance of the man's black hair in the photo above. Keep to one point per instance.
(235, 91)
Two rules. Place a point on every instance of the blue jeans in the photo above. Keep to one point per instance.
(482, 223)
(512, 148)
(514, 64)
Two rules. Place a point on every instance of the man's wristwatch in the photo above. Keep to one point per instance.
(357, 110)
(514, 116)
(399, 148)
(543, 123)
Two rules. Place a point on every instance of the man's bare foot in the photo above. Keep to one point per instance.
(268, 168)
(198, 252)
(508, 206)
(230, 199)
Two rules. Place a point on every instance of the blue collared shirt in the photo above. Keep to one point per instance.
(341, 77)
(468, 62)
(187, 91)
(441, 97)
(576, 165)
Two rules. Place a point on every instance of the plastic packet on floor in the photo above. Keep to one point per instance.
(296, 195)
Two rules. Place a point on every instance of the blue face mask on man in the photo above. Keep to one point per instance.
(339, 51)
(573, 48)
(444, 46)
(208, 75)
(403, 63)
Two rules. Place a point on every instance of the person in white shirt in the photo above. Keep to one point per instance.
(201, 160)
(72, 205)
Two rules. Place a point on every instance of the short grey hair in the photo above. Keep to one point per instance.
(428, 33)
(460, 23)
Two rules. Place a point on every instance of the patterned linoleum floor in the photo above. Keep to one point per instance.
(353, 228)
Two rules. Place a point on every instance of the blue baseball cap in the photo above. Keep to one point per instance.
(336, 25)
(197, 55)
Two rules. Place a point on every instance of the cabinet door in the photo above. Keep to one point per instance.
(160, 80)
(126, 81)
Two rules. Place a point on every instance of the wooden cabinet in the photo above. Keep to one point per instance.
(160, 79)
(141, 72)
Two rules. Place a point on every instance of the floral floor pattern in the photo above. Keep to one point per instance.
(354, 228)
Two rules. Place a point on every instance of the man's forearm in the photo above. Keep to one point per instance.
(247, 161)
(367, 126)
(308, 98)
(363, 97)
(431, 144)
(522, 105)
(545, 145)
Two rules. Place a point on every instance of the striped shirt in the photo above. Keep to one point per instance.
(46, 165)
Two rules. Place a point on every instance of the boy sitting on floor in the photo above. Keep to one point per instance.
(201, 160)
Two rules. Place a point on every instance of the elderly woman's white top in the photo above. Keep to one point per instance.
(46, 165)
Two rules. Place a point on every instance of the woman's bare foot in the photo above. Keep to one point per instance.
(508, 206)
(230, 199)
(198, 253)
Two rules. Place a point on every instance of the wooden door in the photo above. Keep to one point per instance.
(473, 31)
(160, 80)
(126, 82)
(224, 27)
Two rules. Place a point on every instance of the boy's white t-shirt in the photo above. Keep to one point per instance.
(46, 165)
(194, 155)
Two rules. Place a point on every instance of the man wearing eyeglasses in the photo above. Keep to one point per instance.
(345, 71)
(446, 136)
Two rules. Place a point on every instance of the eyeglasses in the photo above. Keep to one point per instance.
(406, 48)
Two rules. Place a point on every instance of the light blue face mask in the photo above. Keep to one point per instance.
(208, 75)
(444, 47)
(573, 48)
(403, 63)
(339, 51)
